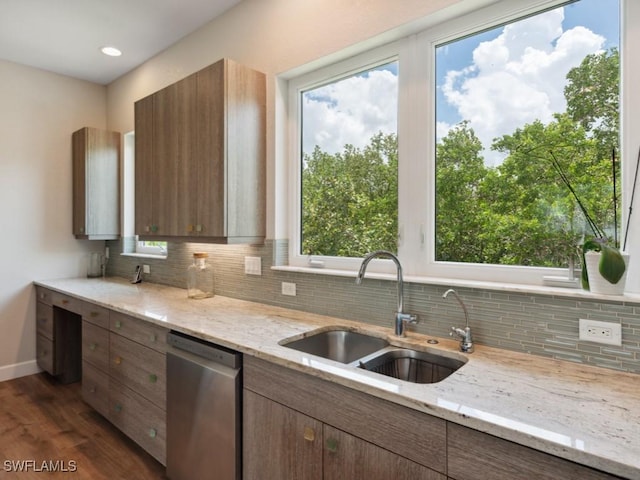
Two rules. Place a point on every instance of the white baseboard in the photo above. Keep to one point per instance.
(17, 370)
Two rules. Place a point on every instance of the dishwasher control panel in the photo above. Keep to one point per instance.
(204, 349)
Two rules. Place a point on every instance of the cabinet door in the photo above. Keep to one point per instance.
(96, 178)
(245, 151)
(346, 456)
(210, 151)
(173, 123)
(144, 167)
(279, 443)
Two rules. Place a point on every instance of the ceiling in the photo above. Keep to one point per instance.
(65, 36)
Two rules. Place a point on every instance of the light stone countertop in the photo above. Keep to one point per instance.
(586, 414)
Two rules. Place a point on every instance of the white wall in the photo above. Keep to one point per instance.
(38, 112)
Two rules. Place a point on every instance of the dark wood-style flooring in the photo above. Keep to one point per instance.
(43, 421)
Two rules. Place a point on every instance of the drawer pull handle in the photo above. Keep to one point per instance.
(152, 432)
(309, 434)
(118, 324)
(332, 445)
(94, 314)
(117, 360)
(118, 408)
(92, 347)
(153, 378)
(65, 302)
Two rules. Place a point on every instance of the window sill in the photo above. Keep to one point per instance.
(144, 255)
(456, 282)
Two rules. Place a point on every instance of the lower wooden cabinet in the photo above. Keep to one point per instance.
(120, 359)
(284, 444)
(299, 427)
(474, 455)
(57, 336)
(279, 442)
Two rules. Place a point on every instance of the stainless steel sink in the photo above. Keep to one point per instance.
(340, 345)
(413, 366)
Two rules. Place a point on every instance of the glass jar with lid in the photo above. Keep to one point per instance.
(200, 277)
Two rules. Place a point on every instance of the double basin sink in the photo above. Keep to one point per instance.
(377, 355)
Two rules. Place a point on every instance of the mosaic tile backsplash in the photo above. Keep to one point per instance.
(543, 325)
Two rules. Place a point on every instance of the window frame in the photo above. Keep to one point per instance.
(417, 142)
(298, 85)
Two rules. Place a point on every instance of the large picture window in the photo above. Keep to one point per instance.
(350, 164)
(452, 154)
(517, 106)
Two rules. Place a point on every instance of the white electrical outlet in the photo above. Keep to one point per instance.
(253, 265)
(609, 333)
(289, 289)
(146, 269)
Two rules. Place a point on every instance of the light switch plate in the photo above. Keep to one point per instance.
(253, 265)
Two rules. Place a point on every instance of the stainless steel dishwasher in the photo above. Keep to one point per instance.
(203, 410)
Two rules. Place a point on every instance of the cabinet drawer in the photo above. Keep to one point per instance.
(139, 331)
(478, 456)
(43, 295)
(95, 388)
(68, 303)
(95, 346)
(45, 355)
(139, 368)
(138, 418)
(97, 315)
(44, 319)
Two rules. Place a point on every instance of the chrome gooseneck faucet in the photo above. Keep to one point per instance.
(466, 340)
(401, 318)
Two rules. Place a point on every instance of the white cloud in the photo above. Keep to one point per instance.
(519, 76)
(350, 111)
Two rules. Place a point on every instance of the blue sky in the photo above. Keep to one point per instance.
(501, 79)
(498, 80)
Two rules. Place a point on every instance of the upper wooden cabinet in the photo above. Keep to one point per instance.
(96, 180)
(200, 157)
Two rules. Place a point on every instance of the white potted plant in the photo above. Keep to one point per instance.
(604, 266)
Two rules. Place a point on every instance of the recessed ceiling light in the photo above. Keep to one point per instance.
(111, 51)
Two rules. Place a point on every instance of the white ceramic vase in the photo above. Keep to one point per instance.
(599, 284)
